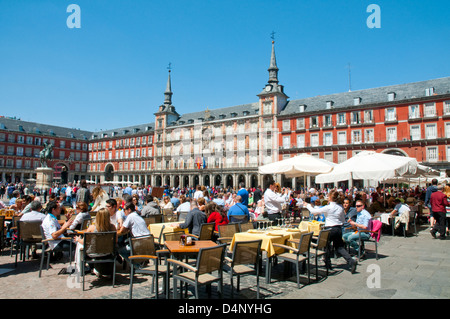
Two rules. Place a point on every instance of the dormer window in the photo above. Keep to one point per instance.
(190, 121)
(233, 114)
(356, 101)
(246, 113)
(391, 96)
(302, 108)
(429, 91)
(222, 116)
(330, 104)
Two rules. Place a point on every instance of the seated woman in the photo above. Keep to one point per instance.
(82, 214)
(17, 206)
(102, 224)
(166, 203)
(183, 208)
(216, 215)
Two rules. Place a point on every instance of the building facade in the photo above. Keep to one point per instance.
(21, 143)
(226, 146)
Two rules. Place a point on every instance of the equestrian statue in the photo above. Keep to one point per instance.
(46, 154)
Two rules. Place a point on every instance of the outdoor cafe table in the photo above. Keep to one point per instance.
(156, 229)
(276, 235)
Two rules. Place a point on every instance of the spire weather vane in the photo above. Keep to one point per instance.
(272, 35)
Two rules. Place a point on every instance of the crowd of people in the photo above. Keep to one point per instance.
(122, 209)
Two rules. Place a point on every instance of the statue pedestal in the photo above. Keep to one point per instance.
(44, 177)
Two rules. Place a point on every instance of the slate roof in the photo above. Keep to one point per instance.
(129, 130)
(17, 125)
(368, 96)
(218, 114)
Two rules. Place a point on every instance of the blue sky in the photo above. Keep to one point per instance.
(112, 72)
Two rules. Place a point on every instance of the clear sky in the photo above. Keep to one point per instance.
(112, 72)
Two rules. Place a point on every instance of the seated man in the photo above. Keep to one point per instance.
(150, 208)
(53, 230)
(134, 224)
(399, 208)
(377, 206)
(194, 219)
(35, 212)
(362, 222)
(238, 209)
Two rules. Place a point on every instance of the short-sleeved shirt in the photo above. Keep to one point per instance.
(50, 225)
(401, 208)
(136, 224)
(32, 215)
(363, 218)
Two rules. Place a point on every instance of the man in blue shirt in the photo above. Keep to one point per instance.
(243, 193)
(238, 213)
(362, 222)
(128, 190)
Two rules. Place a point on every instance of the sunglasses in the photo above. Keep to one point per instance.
(359, 205)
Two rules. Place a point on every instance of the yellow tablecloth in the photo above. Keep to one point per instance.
(269, 238)
(155, 230)
(312, 226)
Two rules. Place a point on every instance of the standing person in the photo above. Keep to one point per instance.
(335, 218)
(273, 201)
(257, 195)
(83, 193)
(243, 193)
(430, 190)
(439, 203)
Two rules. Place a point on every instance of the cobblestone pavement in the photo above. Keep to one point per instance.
(408, 268)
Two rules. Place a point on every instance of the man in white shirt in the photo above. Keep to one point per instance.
(273, 202)
(35, 213)
(69, 190)
(198, 193)
(133, 222)
(52, 229)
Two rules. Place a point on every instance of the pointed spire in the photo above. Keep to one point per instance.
(273, 69)
(168, 93)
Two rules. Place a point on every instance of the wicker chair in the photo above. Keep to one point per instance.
(209, 260)
(143, 250)
(320, 248)
(13, 229)
(28, 234)
(173, 236)
(244, 253)
(297, 257)
(47, 249)
(153, 219)
(226, 232)
(243, 227)
(99, 247)
(206, 231)
(2, 233)
(238, 218)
